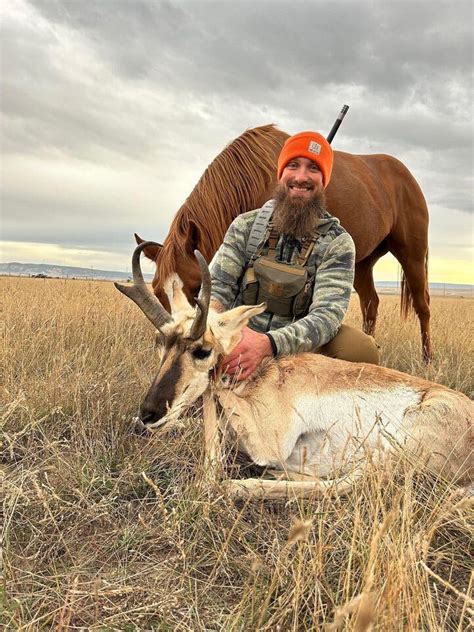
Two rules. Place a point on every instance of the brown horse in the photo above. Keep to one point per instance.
(375, 197)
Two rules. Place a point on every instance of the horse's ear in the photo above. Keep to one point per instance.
(193, 237)
(151, 252)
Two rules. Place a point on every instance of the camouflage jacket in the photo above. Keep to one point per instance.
(333, 257)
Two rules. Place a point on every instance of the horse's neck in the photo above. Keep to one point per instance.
(223, 212)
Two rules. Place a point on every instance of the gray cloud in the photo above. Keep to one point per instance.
(267, 45)
(395, 57)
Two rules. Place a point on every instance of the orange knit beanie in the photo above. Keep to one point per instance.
(310, 145)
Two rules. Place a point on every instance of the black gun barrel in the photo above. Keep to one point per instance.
(338, 121)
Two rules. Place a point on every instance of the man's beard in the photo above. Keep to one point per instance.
(294, 217)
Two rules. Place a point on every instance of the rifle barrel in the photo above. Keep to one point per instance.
(337, 123)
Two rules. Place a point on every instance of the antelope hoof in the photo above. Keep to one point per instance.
(139, 428)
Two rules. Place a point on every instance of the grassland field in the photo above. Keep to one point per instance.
(106, 530)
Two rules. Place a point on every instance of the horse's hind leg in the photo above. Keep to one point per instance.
(365, 288)
(413, 259)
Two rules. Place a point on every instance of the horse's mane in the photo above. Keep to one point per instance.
(231, 184)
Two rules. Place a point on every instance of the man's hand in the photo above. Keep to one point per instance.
(247, 355)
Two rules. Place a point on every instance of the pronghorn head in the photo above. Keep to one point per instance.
(194, 339)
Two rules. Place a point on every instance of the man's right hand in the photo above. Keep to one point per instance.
(247, 355)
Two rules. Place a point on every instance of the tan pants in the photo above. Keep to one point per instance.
(352, 345)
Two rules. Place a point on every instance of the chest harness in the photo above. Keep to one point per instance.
(286, 288)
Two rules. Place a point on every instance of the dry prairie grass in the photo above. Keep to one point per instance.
(107, 530)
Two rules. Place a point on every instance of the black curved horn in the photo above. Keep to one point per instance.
(200, 322)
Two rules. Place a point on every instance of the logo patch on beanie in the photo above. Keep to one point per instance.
(314, 147)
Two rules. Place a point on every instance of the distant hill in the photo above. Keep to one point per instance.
(436, 289)
(69, 272)
(64, 272)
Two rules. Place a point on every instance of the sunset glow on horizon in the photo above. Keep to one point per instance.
(460, 271)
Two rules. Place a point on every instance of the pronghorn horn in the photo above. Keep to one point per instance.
(199, 325)
(141, 295)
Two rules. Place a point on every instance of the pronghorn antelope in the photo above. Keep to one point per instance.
(308, 417)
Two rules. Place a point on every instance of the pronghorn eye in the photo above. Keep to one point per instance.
(200, 353)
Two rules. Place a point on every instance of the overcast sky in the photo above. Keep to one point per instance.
(112, 109)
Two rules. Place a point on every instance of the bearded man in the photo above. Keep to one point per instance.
(301, 264)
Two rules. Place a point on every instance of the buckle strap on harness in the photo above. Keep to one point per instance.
(272, 237)
(259, 229)
(307, 250)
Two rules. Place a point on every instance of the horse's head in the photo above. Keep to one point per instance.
(194, 340)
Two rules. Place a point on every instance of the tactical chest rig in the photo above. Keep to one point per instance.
(286, 288)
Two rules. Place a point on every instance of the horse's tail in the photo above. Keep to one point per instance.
(406, 300)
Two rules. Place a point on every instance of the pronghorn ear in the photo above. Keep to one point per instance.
(240, 316)
(177, 298)
(232, 322)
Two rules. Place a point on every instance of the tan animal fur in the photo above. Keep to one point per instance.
(306, 416)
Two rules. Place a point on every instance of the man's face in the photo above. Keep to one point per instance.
(299, 199)
(301, 178)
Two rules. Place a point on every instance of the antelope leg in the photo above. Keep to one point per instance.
(212, 444)
(260, 488)
(288, 475)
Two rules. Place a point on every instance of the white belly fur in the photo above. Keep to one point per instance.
(335, 429)
(314, 433)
